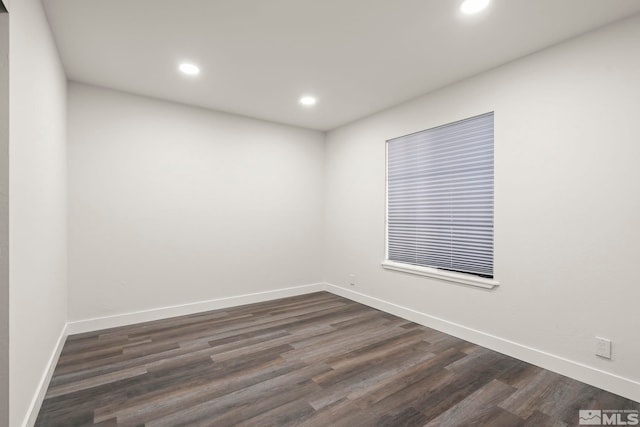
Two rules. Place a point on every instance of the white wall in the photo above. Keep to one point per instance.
(4, 218)
(170, 204)
(567, 201)
(37, 211)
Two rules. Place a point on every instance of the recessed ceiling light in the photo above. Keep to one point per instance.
(308, 100)
(469, 7)
(189, 69)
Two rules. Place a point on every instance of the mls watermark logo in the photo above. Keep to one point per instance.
(590, 417)
(608, 417)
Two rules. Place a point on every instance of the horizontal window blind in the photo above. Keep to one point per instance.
(440, 197)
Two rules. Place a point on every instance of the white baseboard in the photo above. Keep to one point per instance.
(590, 375)
(38, 398)
(124, 319)
(605, 380)
(99, 323)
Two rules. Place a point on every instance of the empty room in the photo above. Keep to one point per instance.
(319, 213)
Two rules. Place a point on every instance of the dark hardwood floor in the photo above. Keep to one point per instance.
(312, 360)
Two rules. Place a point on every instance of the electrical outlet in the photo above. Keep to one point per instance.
(603, 347)
(352, 279)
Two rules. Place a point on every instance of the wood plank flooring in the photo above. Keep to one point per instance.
(312, 360)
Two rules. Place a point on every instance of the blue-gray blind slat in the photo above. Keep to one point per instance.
(440, 197)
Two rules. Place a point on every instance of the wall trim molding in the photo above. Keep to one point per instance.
(598, 378)
(605, 380)
(43, 385)
(436, 273)
(123, 319)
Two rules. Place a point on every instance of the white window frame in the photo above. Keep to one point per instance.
(432, 272)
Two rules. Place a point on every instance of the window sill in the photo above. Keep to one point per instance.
(449, 276)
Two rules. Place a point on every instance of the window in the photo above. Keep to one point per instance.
(440, 202)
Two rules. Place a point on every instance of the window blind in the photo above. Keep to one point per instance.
(440, 197)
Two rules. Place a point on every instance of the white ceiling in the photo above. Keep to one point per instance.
(259, 56)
